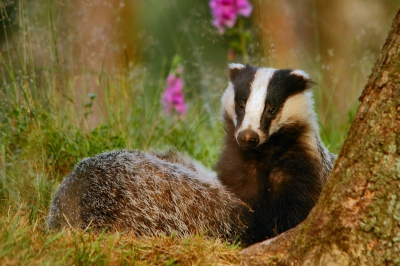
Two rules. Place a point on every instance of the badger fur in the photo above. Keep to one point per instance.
(272, 158)
(148, 194)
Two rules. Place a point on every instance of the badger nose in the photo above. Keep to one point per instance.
(248, 138)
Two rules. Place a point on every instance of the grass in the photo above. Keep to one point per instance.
(43, 135)
(25, 243)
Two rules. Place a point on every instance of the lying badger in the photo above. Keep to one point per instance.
(148, 194)
(271, 171)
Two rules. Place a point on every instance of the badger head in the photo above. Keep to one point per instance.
(262, 102)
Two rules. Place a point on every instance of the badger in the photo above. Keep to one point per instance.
(148, 193)
(272, 157)
(271, 170)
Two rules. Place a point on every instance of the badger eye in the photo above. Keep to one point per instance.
(271, 110)
(241, 106)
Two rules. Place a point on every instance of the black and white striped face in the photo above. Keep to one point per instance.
(260, 101)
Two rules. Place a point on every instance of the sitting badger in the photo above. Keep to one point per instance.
(273, 158)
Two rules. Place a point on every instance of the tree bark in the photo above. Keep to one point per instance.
(357, 219)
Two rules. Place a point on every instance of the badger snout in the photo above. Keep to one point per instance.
(248, 138)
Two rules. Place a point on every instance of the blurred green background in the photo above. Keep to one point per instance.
(336, 42)
(104, 63)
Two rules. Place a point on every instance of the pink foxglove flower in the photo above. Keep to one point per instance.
(173, 98)
(225, 12)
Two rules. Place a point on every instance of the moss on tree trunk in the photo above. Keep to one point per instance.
(357, 219)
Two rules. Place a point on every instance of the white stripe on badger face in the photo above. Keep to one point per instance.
(298, 108)
(256, 102)
(228, 98)
(228, 103)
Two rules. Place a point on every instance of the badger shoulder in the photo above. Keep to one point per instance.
(170, 154)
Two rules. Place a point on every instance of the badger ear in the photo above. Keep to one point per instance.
(300, 73)
(304, 76)
(234, 69)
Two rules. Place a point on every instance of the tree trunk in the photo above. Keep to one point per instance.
(357, 219)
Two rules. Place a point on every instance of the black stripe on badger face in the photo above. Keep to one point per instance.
(261, 100)
(241, 80)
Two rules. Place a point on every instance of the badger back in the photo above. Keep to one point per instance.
(148, 194)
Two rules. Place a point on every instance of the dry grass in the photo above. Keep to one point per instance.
(27, 243)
